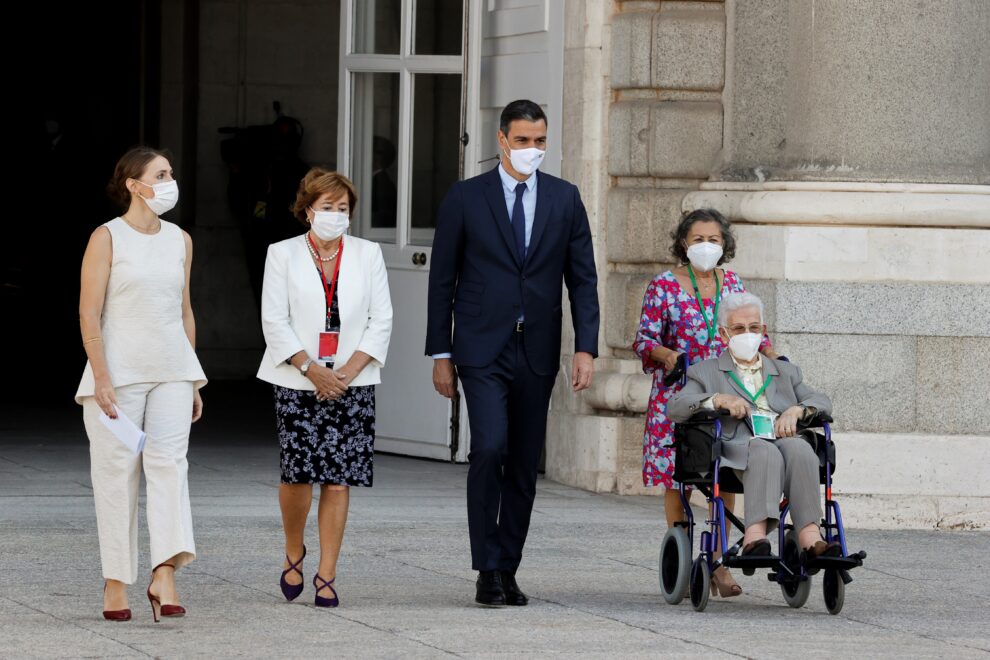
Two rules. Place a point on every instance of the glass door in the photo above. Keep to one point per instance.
(402, 117)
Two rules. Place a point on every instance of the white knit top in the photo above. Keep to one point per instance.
(143, 337)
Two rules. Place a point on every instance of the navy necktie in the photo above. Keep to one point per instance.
(519, 222)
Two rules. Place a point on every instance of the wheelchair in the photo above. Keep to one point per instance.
(698, 450)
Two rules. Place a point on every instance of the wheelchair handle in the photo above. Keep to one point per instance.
(678, 373)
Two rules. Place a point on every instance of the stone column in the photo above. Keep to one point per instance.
(643, 121)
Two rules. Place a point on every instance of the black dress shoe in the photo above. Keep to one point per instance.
(759, 548)
(819, 549)
(489, 589)
(513, 594)
(823, 549)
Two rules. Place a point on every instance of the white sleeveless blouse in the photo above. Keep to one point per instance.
(143, 337)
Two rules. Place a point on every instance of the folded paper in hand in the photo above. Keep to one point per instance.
(125, 430)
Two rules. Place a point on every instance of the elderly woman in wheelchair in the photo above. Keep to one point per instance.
(745, 422)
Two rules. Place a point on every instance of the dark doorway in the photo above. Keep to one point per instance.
(88, 80)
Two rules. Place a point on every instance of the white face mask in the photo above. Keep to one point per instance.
(166, 196)
(328, 225)
(704, 256)
(526, 161)
(745, 346)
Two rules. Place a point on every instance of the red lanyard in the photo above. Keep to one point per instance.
(323, 275)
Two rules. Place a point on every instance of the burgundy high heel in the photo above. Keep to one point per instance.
(156, 604)
(116, 615)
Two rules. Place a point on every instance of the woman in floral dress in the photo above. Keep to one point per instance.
(679, 316)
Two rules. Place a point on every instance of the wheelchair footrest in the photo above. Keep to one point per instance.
(773, 576)
(738, 561)
(838, 563)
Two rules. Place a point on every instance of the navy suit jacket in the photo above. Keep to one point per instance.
(478, 281)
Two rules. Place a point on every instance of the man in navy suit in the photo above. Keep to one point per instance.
(505, 241)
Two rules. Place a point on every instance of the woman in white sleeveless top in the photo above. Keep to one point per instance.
(139, 334)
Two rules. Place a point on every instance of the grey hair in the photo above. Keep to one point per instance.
(737, 301)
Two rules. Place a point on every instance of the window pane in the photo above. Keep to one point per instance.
(439, 27)
(376, 26)
(436, 148)
(374, 136)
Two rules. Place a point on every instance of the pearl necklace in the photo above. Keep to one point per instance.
(318, 257)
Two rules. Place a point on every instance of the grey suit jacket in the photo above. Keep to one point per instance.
(710, 377)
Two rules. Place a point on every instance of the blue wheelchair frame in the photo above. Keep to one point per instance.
(788, 575)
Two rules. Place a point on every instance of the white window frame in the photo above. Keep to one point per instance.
(407, 65)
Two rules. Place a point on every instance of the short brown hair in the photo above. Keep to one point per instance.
(131, 166)
(679, 235)
(320, 181)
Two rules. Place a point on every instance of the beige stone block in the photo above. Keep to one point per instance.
(884, 308)
(869, 101)
(632, 35)
(640, 221)
(911, 464)
(689, 50)
(911, 511)
(954, 386)
(622, 307)
(861, 254)
(629, 480)
(581, 451)
(629, 138)
(685, 138)
(870, 379)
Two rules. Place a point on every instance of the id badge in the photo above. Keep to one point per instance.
(328, 346)
(763, 425)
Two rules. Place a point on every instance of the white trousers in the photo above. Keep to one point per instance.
(164, 411)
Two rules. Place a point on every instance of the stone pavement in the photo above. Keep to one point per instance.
(405, 580)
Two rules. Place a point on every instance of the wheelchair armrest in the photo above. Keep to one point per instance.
(704, 417)
(817, 421)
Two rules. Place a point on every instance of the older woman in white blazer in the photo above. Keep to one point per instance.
(327, 319)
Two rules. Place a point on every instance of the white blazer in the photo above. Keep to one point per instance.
(294, 311)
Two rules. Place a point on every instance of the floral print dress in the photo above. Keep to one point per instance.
(671, 318)
(326, 442)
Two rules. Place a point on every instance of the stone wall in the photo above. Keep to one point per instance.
(846, 142)
(657, 71)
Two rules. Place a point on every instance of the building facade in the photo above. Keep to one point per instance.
(849, 142)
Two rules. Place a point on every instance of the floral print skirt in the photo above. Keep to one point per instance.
(326, 442)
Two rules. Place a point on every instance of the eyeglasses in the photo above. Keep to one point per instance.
(756, 328)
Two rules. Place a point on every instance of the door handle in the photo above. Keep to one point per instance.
(419, 258)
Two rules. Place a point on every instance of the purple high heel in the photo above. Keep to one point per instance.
(320, 600)
(292, 591)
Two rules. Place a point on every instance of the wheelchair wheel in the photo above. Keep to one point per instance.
(701, 577)
(795, 591)
(675, 565)
(835, 591)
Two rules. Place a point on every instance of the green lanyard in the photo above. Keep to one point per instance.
(710, 324)
(753, 397)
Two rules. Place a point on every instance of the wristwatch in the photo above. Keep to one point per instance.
(305, 366)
